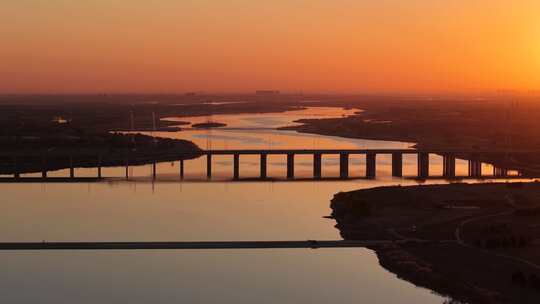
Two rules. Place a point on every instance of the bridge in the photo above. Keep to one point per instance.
(344, 155)
(449, 161)
(313, 244)
(423, 163)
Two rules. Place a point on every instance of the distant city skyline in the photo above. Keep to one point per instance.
(344, 46)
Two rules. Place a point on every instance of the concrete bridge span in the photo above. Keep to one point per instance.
(397, 155)
(449, 160)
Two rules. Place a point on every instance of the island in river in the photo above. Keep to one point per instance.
(208, 125)
(478, 243)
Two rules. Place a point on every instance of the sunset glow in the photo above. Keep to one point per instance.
(240, 45)
(282, 151)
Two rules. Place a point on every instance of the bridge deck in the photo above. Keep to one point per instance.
(309, 151)
(78, 153)
(359, 151)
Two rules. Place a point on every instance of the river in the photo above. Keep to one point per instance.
(170, 210)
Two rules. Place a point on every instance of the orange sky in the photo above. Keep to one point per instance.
(163, 46)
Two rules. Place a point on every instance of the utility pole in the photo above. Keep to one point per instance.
(154, 128)
(132, 126)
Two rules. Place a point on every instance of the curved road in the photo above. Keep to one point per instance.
(460, 240)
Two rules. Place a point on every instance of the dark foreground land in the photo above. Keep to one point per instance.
(476, 243)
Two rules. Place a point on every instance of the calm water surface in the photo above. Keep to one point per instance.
(170, 210)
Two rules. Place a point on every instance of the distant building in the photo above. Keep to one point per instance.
(267, 92)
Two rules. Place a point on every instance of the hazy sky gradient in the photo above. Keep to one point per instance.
(67, 46)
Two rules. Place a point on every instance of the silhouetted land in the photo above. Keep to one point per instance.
(79, 129)
(112, 113)
(496, 258)
(208, 125)
(61, 148)
(495, 123)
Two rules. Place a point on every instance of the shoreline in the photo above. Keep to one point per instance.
(125, 149)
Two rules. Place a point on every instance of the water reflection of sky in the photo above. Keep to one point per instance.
(268, 120)
(258, 131)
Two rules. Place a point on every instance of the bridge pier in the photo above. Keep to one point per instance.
(127, 168)
(290, 165)
(154, 170)
(264, 159)
(449, 166)
(317, 165)
(43, 167)
(344, 165)
(99, 167)
(423, 165)
(236, 166)
(181, 169)
(371, 165)
(208, 166)
(16, 172)
(475, 168)
(397, 164)
(71, 169)
(500, 172)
